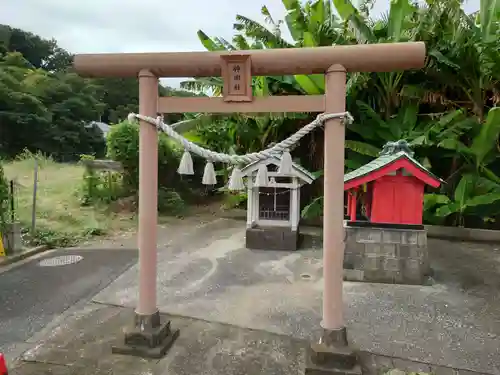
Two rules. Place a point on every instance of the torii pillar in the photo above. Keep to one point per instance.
(149, 336)
(333, 206)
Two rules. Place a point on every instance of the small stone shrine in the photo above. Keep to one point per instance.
(273, 204)
(389, 244)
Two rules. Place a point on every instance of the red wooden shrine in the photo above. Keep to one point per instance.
(390, 188)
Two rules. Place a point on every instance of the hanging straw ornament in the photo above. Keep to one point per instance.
(236, 180)
(286, 164)
(261, 180)
(209, 177)
(186, 164)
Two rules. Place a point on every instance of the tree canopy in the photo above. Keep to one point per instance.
(447, 112)
(46, 107)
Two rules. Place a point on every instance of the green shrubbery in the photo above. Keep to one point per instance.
(123, 147)
(4, 196)
(170, 202)
(100, 186)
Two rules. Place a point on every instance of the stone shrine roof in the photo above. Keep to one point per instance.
(301, 172)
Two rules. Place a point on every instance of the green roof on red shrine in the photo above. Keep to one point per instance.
(391, 152)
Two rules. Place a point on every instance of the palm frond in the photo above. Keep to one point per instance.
(255, 31)
(207, 85)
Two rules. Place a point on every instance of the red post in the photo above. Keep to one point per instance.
(348, 203)
(352, 211)
(3, 365)
(368, 202)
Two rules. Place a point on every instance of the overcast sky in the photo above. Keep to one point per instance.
(91, 26)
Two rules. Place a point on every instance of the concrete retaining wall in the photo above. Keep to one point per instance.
(433, 231)
(462, 234)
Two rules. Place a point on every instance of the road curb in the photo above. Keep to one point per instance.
(463, 234)
(23, 255)
(433, 231)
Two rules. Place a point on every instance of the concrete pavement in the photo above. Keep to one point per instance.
(451, 323)
(252, 312)
(34, 293)
(81, 347)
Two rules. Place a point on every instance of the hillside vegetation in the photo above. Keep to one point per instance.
(448, 112)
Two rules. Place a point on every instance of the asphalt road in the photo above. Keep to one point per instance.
(35, 293)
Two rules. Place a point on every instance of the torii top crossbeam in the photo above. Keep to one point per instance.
(383, 57)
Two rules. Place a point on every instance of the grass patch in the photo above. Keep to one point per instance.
(60, 219)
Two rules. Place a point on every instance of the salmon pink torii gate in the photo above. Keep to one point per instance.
(333, 61)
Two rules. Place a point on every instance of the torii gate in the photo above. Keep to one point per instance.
(150, 337)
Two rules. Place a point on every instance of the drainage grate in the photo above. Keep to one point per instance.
(60, 261)
(305, 276)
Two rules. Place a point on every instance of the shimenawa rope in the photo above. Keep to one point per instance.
(281, 150)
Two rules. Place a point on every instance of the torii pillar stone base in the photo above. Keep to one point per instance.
(148, 337)
(332, 355)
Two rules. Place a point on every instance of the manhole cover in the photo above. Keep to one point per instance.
(60, 261)
(305, 276)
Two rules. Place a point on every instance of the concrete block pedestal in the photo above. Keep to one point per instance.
(11, 238)
(272, 238)
(384, 253)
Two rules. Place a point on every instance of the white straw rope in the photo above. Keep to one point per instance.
(247, 158)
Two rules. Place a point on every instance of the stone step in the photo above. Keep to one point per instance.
(314, 369)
